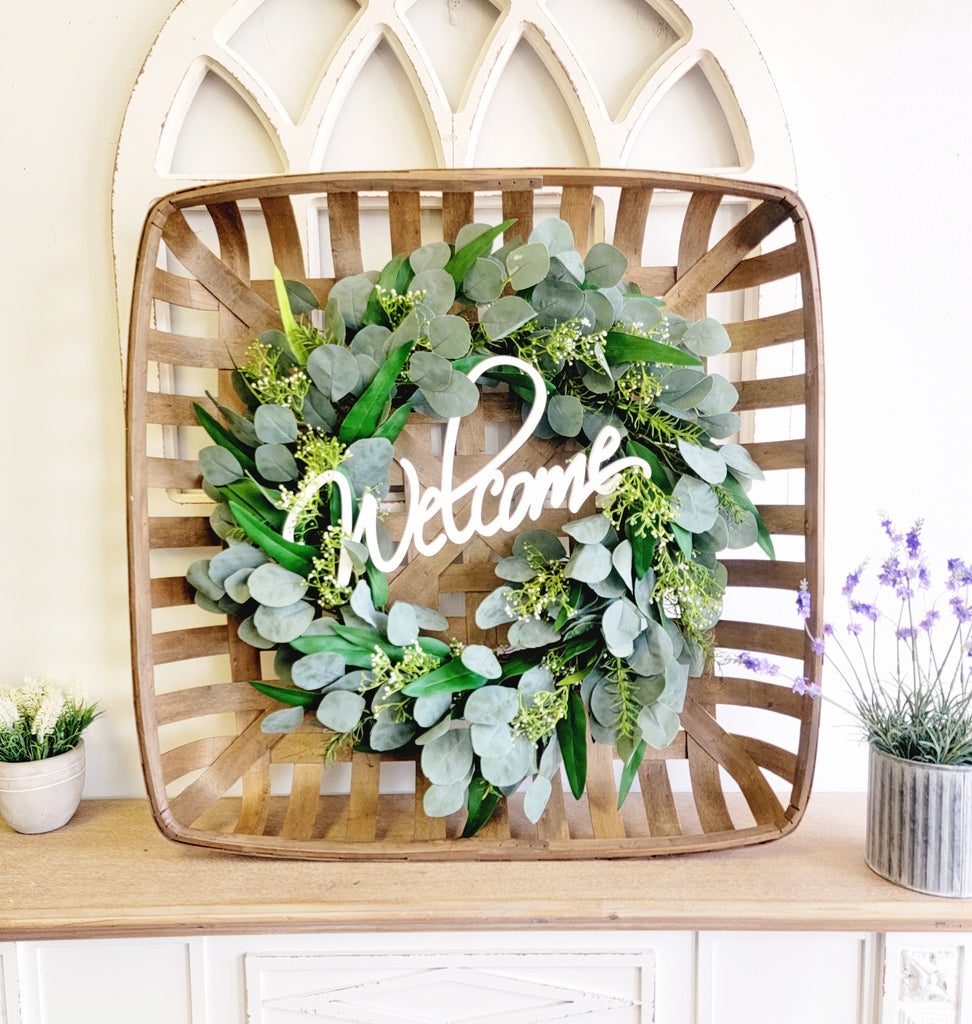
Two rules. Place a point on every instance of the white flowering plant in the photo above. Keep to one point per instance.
(42, 718)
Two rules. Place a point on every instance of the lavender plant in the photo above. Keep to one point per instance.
(40, 719)
(906, 659)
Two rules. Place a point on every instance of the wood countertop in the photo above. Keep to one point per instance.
(109, 873)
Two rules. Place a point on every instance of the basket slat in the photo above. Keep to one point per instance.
(189, 777)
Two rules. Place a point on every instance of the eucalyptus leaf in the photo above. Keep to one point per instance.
(389, 734)
(604, 265)
(368, 465)
(536, 797)
(433, 256)
(698, 506)
(317, 410)
(742, 529)
(221, 520)
(740, 462)
(429, 709)
(605, 703)
(281, 625)
(610, 587)
(589, 563)
(659, 725)
(198, 576)
(485, 281)
(567, 266)
(565, 414)
(283, 720)
(335, 329)
(542, 541)
(725, 424)
(236, 556)
(352, 294)
(599, 310)
(236, 585)
(450, 336)
(491, 705)
(527, 265)
(591, 530)
(494, 609)
(275, 586)
(491, 740)
(315, 671)
(341, 710)
(653, 650)
(515, 569)
(275, 462)
(555, 301)
(706, 337)
(532, 633)
(706, 462)
(438, 288)
(448, 758)
(275, 424)
(441, 801)
(512, 768)
(459, 399)
(721, 399)
(403, 629)
(555, 234)
(504, 316)
(620, 624)
(249, 634)
(219, 466)
(334, 370)
(640, 312)
(481, 660)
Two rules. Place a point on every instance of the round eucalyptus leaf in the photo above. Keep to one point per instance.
(611, 586)
(403, 629)
(589, 563)
(536, 797)
(219, 466)
(698, 506)
(352, 294)
(607, 736)
(484, 282)
(281, 625)
(236, 585)
(275, 586)
(494, 609)
(198, 576)
(740, 462)
(441, 801)
(590, 530)
(514, 569)
(275, 424)
(482, 661)
(340, 710)
(368, 368)
(741, 528)
(555, 234)
(433, 256)
(317, 410)
(722, 398)
(236, 556)
(222, 521)
(315, 671)
(512, 768)
(637, 311)
(535, 680)
(595, 422)
(615, 300)
(567, 266)
(676, 685)
(249, 634)
(430, 371)
(532, 633)
(542, 541)
(448, 758)
(469, 232)
(716, 538)
(620, 624)
(565, 414)
(724, 424)
(551, 759)
(706, 462)
(659, 725)
(527, 265)
(335, 328)
(230, 607)
(450, 336)
(555, 301)
(429, 618)
(439, 290)
(334, 370)
(598, 383)
(491, 705)
(644, 589)
(283, 720)
(622, 558)
(283, 660)
(276, 463)
(302, 299)
(429, 709)
(459, 399)
(491, 740)
(437, 729)
(685, 398)
(606, 703)
(368, 465)
(706, 337)
(652, 650)
(599, 310)
(506, 315)
(388, 734)
(605, 265)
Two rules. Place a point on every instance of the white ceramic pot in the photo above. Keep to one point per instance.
(919, 824)
(40, 796)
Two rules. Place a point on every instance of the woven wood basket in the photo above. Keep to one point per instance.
(740, 770)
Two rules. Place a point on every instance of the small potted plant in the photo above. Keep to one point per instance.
(906, 660)
(42, 753)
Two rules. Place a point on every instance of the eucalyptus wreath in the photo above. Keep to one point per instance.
(603, 638)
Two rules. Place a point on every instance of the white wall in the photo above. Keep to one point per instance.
(875, 95)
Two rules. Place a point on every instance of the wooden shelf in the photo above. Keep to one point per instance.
(109, 873)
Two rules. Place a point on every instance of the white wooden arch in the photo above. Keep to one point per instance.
(233, 88)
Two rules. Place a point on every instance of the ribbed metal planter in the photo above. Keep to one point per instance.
(919, 824)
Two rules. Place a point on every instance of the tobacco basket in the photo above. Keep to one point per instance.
(740, 770)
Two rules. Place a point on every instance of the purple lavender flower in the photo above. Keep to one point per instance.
(906, 633)
(818, 646)
(805, 687)
(853, 578)
(762, 665)
(828, 629)
(928, 621)
(855, 628)
(912, 541)
(888, 526)
(869, 611)
(890, 573)
(959, 574)
(962, 611)
(803, 601)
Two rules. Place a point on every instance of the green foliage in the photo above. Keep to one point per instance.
(41, 719)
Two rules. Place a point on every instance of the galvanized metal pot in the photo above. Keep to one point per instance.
(919, 824)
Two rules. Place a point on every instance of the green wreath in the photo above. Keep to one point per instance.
(602, 640)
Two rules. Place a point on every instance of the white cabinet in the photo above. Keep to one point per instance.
(628, 977)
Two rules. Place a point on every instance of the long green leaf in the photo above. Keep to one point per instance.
(286, 695)
(659, 475)
(392, 427)
(480, 805)
(378, 582)
(630, 771)
(291, 330)
(620, 347)
(572, 735)
(253, 497)
(298, 558)
(462, 261)
(328, 644)
(363, 417)
(223, 437)
(453, 677)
